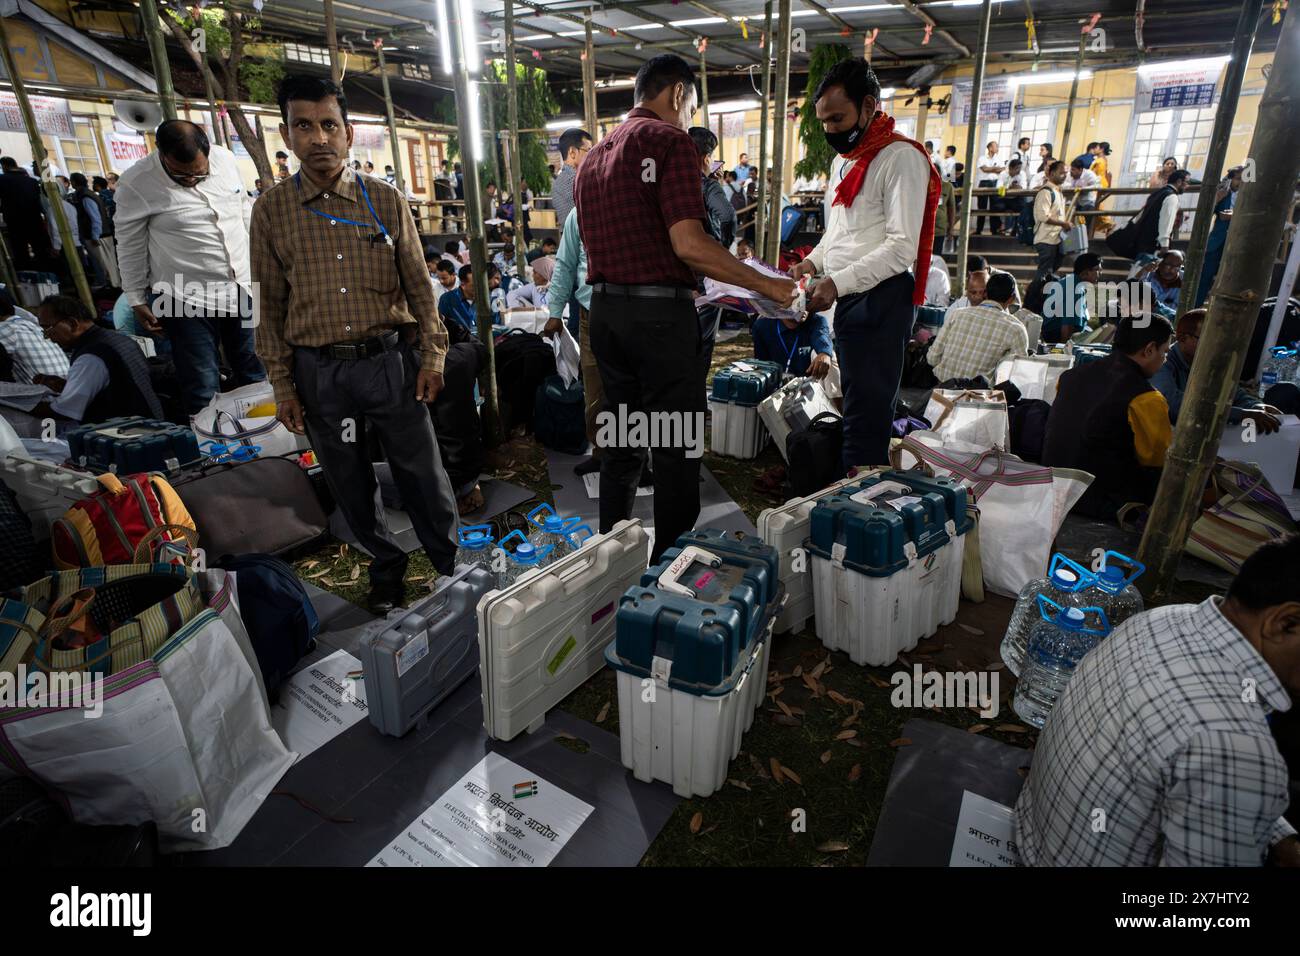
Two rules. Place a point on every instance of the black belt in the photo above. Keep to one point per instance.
(645, 291)
(375, 345)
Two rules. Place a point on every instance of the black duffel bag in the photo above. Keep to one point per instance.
(815, 455)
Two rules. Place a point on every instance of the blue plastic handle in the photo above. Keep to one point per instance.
(464, 538)
(513, 534)
(1049, 617)
(1086, 577)
(1137, 566)
(1105, 624)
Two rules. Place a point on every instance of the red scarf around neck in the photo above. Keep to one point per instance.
(880, 133)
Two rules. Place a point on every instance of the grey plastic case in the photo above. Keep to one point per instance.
(416, 657)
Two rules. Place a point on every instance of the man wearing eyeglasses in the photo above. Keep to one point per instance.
(182, 239)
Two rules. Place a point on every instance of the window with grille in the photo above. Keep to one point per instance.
(79, 154)
(1004, 134)
(307, 54)
(1150, 142)
(1039, 126)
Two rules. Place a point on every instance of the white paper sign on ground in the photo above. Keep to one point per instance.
(983, 834)
(320, 702)
(498, 814)
(591, 482)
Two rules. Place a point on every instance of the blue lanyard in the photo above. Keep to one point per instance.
(789, 351)
(350, 222)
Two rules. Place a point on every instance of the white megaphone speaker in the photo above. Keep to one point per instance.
(141, 115)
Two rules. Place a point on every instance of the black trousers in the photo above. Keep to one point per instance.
(455, 417)
(871, 333)
(650, 356)
(983, 203)
(377, 394)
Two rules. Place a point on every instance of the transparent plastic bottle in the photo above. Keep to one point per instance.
(1279, 366)
(1065, 583)
(564, 535)
(475, 546)
(1114, 591)
(522, 559)
(1056, 645)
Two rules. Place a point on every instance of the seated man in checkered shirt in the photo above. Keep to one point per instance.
(1159, 750)
(974, 340)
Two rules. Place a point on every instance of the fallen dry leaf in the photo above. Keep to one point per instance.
(356, 573)
(968, 629)
(758, 767)
(854, 772)
(832, 846)
(604, 712)
(696, 822)
(846, 735)
(820, 668)
(773, 693)
(776, 770)
(900, 741)
(826, 757)
(739, 783)
(976, 728)
(343, 549)
(309, 565)
(786, 721)
(905, 660)
(837, 697)
(784, 708)
(855, 742)
(329, 582)
(791, 774)
(798, 711)
(1012, 729)
(565, 736)
(318, 574)
(798, 670)
(850, 721)
(877, 681)
(810, 682)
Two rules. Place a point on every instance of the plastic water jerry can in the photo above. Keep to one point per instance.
(564, 535)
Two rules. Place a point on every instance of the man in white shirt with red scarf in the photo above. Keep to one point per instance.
(883, 195)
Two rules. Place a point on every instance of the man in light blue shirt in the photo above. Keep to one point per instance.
(569, 287)
(1166, 281)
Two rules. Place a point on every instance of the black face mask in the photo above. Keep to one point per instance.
(844, 141)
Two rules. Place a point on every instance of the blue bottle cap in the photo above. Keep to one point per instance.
(1071, 619)
(1111, 579)
(1065, 579)
(553, 523)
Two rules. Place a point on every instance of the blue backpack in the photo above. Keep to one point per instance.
(277, 613)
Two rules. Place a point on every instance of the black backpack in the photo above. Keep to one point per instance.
(1029, 428)
(1025, 223)
(277, 613)
(523, 362)
(815, 454)
(917, 372)
(559, 416)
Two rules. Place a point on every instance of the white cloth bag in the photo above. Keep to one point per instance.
(970, 417)
(1035, 375)
(566, 356)
(184, 739)
(1021, 505)
(226, 420)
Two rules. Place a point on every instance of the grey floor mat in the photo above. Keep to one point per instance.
(717, 508)
(362, 788)
(498, 496)
(923, 799)
(380, 784)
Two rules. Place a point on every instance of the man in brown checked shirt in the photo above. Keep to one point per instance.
(350, 334)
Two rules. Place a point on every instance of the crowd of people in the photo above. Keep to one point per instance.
(369, 338)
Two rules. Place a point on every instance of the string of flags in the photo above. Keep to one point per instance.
(1278, 7)
(1033, 33)
(929, 28)
(744, 28)
(1092, 22)
(869, 40)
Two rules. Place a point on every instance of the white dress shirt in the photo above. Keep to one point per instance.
(1086, 178)
(1168, 212)
(198, 233)
(949, 167)
(876, 237)
(1009, 182)
(938, 286)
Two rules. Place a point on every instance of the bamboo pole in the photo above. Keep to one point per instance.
(972, 130)
(1262, 209)
(1074, 96)
(704, 84)
(48, 182)
(488, 94)
(332, 43)
(162, 70)
(589, 83)
(512, 144)
(772, 252)
(474, 224)
(214, 112)
(10, 275)
(396, 143)
(1194, 261)
(760, 213)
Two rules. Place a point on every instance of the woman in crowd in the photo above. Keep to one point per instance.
(1158, 179)
(1101, 166)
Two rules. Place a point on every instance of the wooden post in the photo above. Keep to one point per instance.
(162, 70)
(487, 94)
(392, 120)
(772, 252)
(7, 267)
(589, 83)
(512, 150)
(1194, 261)
(474, 225)
(1260, 213)
(760, 210)
(47, 175)
(922, 114)
(1074, 95)
(972, 130)
(332, 43)
(214, 111)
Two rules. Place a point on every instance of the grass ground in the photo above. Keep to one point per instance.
(824, 739)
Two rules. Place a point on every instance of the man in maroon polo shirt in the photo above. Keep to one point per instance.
(641, 214)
